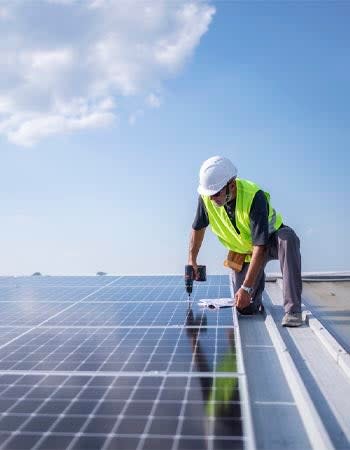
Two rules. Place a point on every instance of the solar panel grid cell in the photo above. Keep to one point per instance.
(63, 281)
(37, 294)
(115, 370)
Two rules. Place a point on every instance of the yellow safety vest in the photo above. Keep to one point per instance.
(221, 224)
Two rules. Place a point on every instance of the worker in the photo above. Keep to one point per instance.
(240, 213)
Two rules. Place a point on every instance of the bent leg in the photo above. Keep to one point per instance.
(288, 252)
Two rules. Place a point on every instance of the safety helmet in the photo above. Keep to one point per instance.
(214, 173)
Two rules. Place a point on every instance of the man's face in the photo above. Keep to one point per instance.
(220, 197)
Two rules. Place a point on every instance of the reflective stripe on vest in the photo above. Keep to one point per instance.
(239, 240)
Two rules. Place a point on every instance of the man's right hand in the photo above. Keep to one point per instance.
(195, 269)
(195, 244)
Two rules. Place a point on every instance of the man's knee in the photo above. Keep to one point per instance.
(288, 237)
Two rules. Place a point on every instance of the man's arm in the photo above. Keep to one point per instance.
(199, 225)
(256, 265)
(196, 240)
(260, 235)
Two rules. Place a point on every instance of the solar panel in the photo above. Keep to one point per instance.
(125, 362)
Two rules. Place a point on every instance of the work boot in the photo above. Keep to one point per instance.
(292, 320)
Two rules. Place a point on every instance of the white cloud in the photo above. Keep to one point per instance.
(135, 116)
(48, 61)
(192, 22)
(5, 104)
(69, 74)
(26, 130)
(29, 132)
(4, 13)
(153, 101)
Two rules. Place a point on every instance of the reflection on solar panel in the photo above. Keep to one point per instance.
(116, 363)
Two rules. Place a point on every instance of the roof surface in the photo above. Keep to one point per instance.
(330, 302)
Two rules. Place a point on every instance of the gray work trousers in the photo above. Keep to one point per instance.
(283, 245)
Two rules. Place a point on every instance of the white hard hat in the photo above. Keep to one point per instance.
(214, 173)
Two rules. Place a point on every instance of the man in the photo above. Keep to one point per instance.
(241, 216)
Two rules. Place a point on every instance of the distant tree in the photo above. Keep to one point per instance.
(36, 274)
(101, 273)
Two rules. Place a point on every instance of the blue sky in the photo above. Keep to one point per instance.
(107, 110)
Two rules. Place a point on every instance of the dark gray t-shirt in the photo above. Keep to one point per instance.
(258, 217)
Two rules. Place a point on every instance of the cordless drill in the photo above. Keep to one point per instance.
(190, 276)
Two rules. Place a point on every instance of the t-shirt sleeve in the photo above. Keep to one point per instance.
(259, 219)
(201, 220)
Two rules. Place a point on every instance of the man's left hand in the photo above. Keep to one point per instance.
(242, 299)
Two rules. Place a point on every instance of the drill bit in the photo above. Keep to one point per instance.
(189, 275)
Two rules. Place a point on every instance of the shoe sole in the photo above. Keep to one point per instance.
(292, 325)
